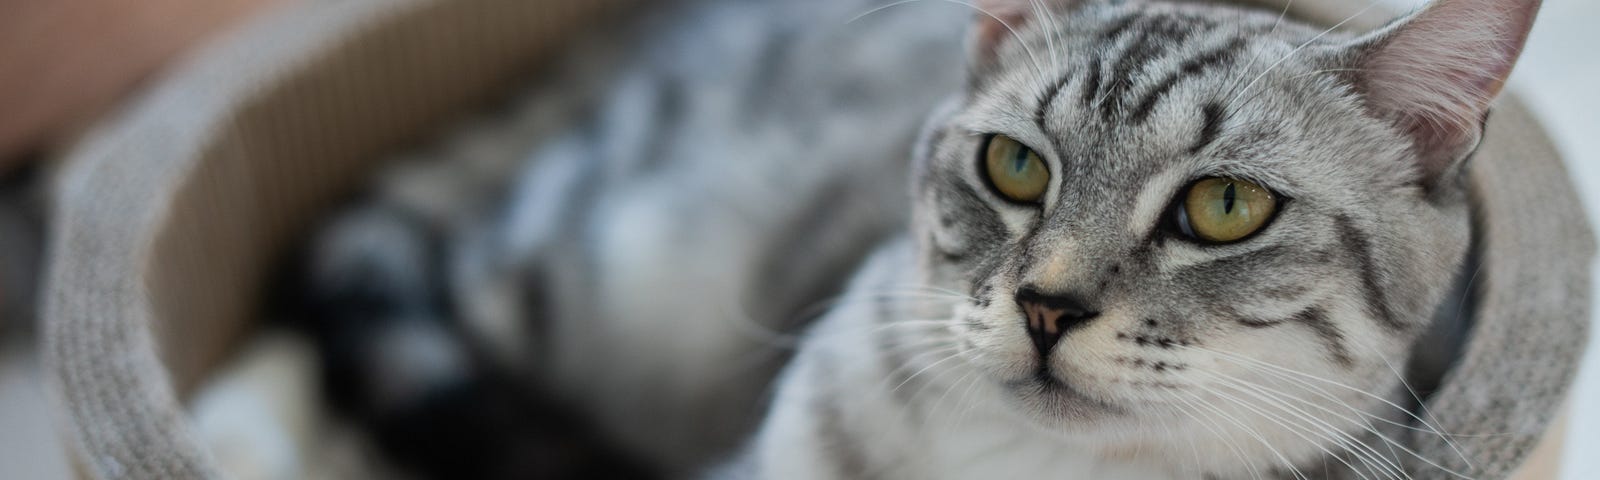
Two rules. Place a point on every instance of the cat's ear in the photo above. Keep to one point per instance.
(997, 22)
(1435, 72)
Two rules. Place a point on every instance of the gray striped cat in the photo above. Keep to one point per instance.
(1144, 239)
(1158, 240)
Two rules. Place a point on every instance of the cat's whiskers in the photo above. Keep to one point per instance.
(1290, 374)
(1281, 400)
(746, 323)
(965, 400)
(1283, 459)
(913, 344)
(1194, 450)
(953, 352)
(1362, 418)
(951, 388)
(1390, 443)
(1433, 423)
(1314, 426)
(1319, 391)
(878, 470)
(1205, 421)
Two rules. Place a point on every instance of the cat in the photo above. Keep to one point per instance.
(1158, 240)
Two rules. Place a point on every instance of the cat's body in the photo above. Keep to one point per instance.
(699, 190)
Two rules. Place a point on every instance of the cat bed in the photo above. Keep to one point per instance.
(167, 219)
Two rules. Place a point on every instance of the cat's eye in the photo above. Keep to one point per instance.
(1222, 210)
(1015, 170)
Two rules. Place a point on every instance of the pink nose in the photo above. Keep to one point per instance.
(1051, 316)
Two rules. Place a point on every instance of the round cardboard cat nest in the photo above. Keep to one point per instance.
(168, 216)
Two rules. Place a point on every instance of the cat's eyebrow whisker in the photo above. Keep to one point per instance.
(1054, 33)
(1300, 47)
(1275, 23)
(1330, 70)
(1100, 100)
(1049, 39)
(1281, 16)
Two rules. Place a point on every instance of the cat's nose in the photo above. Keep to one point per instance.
(1050, 316)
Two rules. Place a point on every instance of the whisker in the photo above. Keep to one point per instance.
(1298, 373)
(1246, 386)
(1252, 432)
(1422, 405)
(1298, 48)
(1212, 426)
(1325, 431)
(1432, 429)
(951, 356)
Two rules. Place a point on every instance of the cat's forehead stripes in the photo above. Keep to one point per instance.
(1214, 116)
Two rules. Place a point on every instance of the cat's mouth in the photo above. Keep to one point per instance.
(1046, 381)
(1047, 392)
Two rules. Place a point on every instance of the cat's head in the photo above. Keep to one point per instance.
(1163, 212)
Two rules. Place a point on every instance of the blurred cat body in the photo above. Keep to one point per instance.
(702, 179)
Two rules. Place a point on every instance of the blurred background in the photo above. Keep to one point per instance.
(65, 65)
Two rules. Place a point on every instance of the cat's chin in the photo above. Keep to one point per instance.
(1058, 404)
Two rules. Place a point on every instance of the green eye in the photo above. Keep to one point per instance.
(1222, 210)
(1015, 170)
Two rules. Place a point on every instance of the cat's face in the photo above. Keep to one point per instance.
(1164, 219)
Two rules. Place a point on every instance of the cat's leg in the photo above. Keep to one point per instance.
(374, 300)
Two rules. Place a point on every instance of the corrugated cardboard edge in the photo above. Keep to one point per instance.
(167, 217)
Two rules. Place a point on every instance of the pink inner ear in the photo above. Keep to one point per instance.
(1439, 70)
(993, 21)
